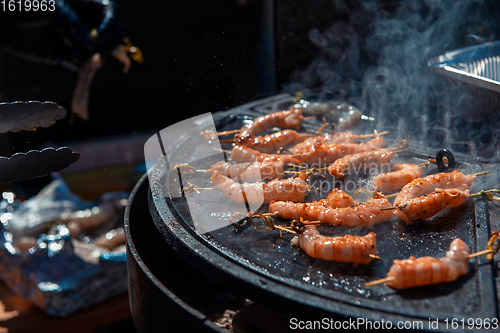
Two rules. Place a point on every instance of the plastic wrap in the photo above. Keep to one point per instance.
(60, 273)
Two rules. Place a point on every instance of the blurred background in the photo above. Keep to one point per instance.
(212, 56)
(197, 58)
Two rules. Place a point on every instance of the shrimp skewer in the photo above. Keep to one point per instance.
(292, 210)
(329, 139)
(420, 208)
(249, 171)
(244, 154)
(256, 171)
(417, 209)
(364, 215)
(291, 119)
(414, 272)
(337, 138)
(365, 160)
(270, 143)
(323, 154)
(212, 135)
(421, 186)
(291, 189)
(356, 249)
(400, 175)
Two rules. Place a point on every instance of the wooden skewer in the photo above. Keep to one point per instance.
(370, 135)
(379, 281)
(194, 188)
(296, 166)
(397, 151)
(393, 207)
(211, 135)
(488, 194)
(188, 169)
(228, 132)
(312, 222)
(323, 127)
(267, 217)
(480, 253)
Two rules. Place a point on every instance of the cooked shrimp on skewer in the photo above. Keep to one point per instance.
(270, 143)
(400, 175)
(420, 208)
(256, 171)
(322, 154)
(421, 186)
(291, 119)
(356, 249)
(329, 139)
(337, 138)
(365, 160)
(244, 154)
(293, 210)
(365, 215)
(423, 271)
(291, 189)
(249, 171)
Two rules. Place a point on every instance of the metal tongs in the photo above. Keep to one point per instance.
(29, 116)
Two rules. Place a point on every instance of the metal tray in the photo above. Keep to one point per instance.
(478, 65)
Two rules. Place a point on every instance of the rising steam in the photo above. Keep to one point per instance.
(378, 60)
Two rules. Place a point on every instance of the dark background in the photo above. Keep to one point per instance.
(198, 57)
(202, 56)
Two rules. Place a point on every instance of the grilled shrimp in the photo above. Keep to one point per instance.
(365, 160)
(365, 215)
(270, 143)
(291, 189)
(337, 138)
(244, 154)
(292, 210)
(256, 171)
(400, 175)
(291, 119)
(322, 154)
(423, 271)
(356, 249)
(421, 186)
(420, 208)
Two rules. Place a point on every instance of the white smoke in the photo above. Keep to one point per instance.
(379, 61)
